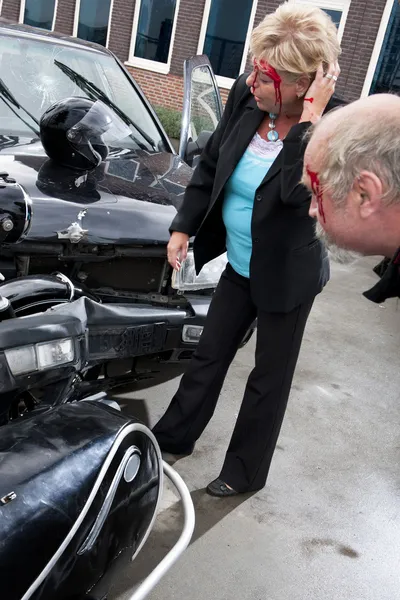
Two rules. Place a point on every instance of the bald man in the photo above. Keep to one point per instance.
(352, 167)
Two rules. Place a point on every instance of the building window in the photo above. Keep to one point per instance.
(92, 20)
(225, 36)
(336, 9)
(38, 13)
(335, 15)
(153, 34)
(387, 72)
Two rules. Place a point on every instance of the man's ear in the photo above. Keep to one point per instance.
(368, 191)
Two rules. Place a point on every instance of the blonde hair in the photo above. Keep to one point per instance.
(296, 39)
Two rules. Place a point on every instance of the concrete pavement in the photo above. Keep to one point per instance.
(327, 525)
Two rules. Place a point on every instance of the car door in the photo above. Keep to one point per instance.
(202, 108)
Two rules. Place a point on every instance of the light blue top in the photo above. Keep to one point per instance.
(238, 204)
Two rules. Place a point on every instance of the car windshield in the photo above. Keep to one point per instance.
(35, 74)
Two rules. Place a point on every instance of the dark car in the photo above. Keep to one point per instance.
(101, 233)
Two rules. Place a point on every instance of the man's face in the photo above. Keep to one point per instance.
(337, 225)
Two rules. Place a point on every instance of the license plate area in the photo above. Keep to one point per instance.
(124, 342)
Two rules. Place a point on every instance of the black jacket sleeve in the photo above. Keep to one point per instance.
(198, 192)
(293, 193)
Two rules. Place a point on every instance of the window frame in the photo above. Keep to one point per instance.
(226, 82)
(340, 5)
(373, 63)
(145, 63)
(22, 13)
(76, 20)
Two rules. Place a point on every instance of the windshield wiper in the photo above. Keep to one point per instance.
(8, 98)
(96, 93)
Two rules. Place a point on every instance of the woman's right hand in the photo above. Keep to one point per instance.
(319, 93)
(177, 249)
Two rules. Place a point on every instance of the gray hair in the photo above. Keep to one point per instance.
(361, 140)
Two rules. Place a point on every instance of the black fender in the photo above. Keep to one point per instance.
(36, 293)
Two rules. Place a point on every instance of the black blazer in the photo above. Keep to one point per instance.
(289, 265)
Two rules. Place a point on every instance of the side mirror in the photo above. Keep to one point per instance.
(202, 108)
(195, 148)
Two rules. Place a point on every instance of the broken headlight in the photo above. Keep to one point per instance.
(186, 279)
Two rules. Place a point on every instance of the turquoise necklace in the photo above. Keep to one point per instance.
(272, 135)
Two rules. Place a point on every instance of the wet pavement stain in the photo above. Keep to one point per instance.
(349, 552)
(314, 545)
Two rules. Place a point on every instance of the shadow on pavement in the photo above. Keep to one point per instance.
(136, 408)
(209, 512)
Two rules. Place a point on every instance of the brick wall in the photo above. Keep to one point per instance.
(161, 90)
(164, 90)
(187, 35)
(121, 28)
(10, 10)
(65, 17)
(358, 42)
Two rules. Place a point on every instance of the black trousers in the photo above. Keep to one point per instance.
(254, 438)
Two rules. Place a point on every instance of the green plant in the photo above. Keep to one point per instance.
(170, 120)
(202, 123)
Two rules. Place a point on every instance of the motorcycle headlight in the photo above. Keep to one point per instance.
(186, 280)
(38, 357)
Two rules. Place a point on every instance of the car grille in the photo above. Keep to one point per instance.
(130, 274)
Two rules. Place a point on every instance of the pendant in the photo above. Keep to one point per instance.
(273, 135)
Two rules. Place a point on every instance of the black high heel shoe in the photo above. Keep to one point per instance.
(219, 489)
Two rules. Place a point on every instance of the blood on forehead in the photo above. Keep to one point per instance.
(317, 191)
(266, 69)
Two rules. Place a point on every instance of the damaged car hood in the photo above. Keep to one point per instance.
(129, 199)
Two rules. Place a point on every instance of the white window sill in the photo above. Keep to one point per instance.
(148, 65)
(224, 82)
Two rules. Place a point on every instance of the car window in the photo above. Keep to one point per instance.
(29, 69)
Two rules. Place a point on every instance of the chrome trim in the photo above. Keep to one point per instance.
(183, 542)
(68, 282)
(105, 509)
(39, 304)
(28, 214)
(8, 498)
(129, 472)
(103, 471)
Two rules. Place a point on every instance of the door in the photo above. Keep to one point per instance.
(202, 108)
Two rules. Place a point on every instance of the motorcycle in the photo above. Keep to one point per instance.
(80, 482)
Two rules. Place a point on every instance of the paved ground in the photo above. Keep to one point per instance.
(327, 526)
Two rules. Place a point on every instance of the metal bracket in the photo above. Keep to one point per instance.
(75, 232)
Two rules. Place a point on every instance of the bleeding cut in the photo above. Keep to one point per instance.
(317, 191)
(266, 69)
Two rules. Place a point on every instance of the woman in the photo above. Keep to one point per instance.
(245, 196)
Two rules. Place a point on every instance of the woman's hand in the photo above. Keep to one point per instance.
(319, 93)
(177, 249)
